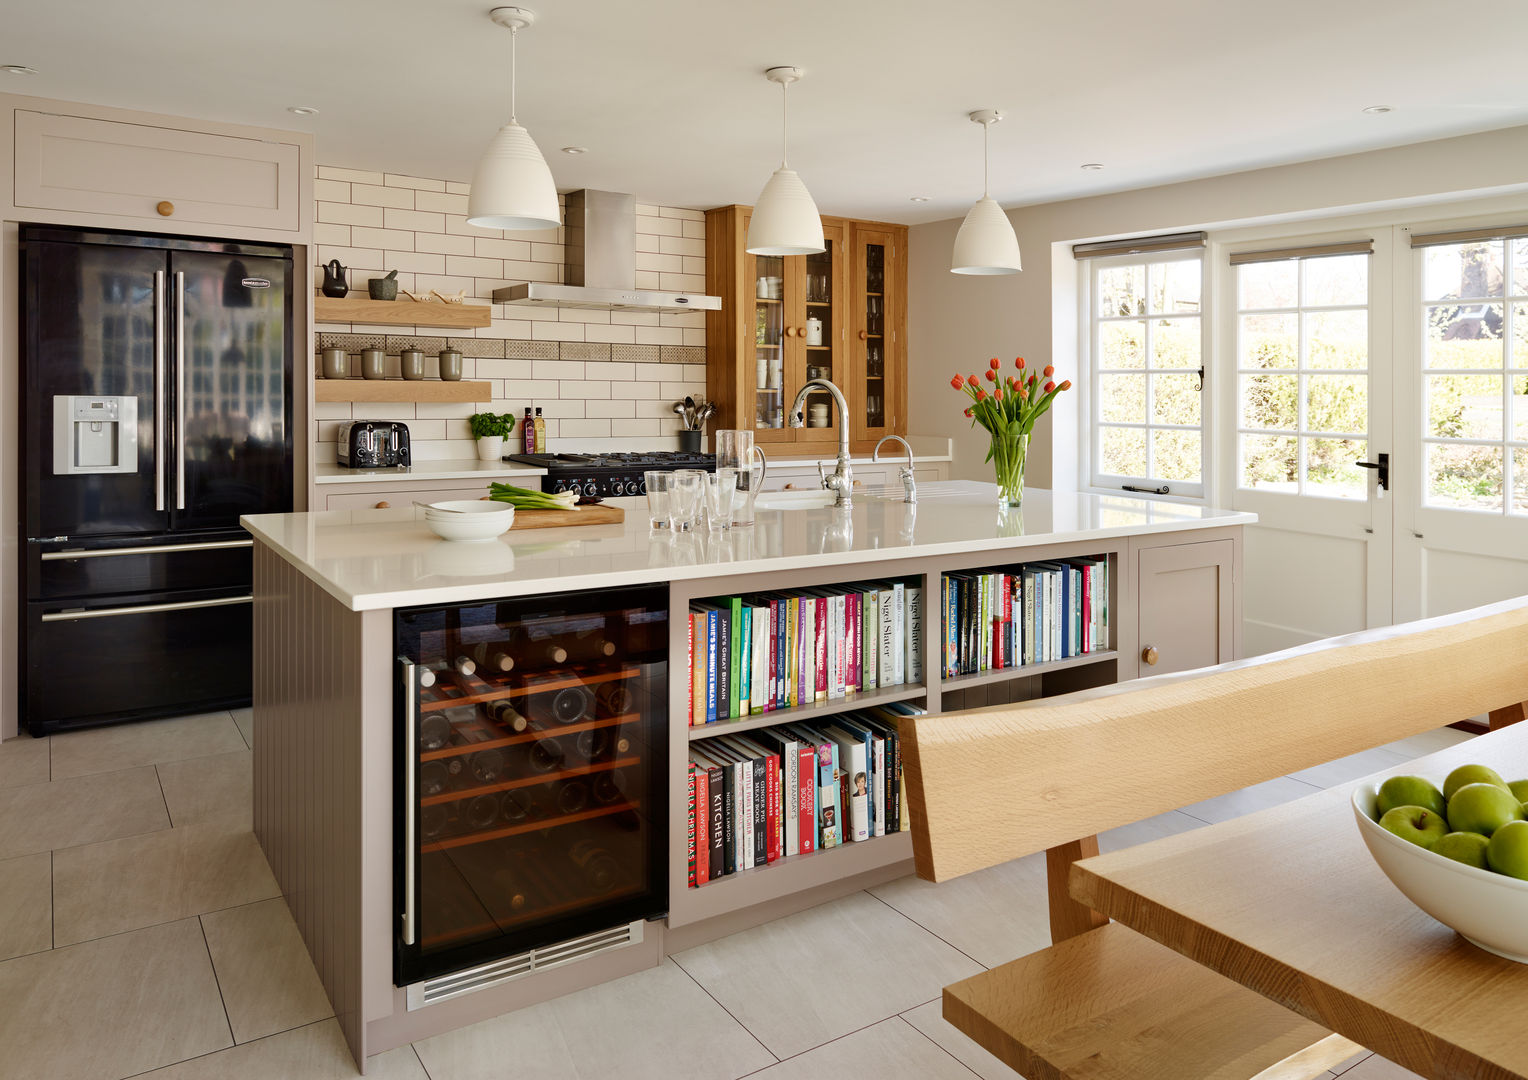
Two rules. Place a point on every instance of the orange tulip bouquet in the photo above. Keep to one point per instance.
(1008, 412)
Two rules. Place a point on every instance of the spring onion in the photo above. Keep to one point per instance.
(526, 499)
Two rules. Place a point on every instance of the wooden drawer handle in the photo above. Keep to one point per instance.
(789, 487)
(864, 335)
(384, 505)
(165, 208)
(1149, 655)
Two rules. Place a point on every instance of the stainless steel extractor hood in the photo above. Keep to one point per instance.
(600, 262)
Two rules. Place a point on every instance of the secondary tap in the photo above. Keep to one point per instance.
(841, 483)
(909, 487)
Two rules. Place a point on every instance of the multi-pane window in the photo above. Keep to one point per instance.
(1148, 372)
(1475, 375)
(1302, 359)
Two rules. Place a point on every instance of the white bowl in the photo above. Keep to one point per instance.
(1489, 909)
(474, 520)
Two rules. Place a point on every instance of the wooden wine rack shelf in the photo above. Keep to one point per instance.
(528, 781)
(493, 741)
(525, 827)
(475, 691)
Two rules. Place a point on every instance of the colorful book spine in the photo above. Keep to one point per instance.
(689, 666)
(712, 632)
(913, 597)
(690, 825)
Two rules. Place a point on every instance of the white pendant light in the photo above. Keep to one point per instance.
(785, 219)
(512, 187)
(986, 243)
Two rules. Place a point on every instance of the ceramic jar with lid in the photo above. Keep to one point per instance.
(411, 364)
(335, 364)
(450, 364)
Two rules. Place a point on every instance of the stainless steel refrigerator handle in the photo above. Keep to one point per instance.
(410, 794)
(159, 359)
(156, 549)
(142, 609)
(180, 389)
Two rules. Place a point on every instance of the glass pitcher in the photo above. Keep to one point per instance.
(735, 449)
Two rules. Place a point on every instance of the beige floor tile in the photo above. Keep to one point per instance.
(890, 1050)
(797, 982)
(118, 885)
(60, 814)
(26, 905)
(1347, 769)
(1147, 829)
(218, 788)
(123, 746)
(655, 1024)
(245, 718)
(929, 1019)
(23, 760)
(1429, 742)
(264, 970)
(315, 1052)
(1356, 1059)
(1281, 789)
(993, 915)
(111, 1008)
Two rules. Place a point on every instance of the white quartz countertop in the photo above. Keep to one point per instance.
(370, 559)
(443, 469)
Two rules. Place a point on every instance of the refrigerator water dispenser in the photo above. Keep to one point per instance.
(95, 434)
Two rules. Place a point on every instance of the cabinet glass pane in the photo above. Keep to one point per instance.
(817, 334)
(769, 341)
(875, 335)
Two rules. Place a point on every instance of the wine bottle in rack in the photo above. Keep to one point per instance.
(464, 665)
(434, 778)
(487, 766)
(516, 806)
(605, 790)
(592, 743)
(434, 732)
(572, 704)
(434, 821)
(598, 867)
(426, 677)
(548, 653)
(572, 796)
(546, 755)
(614, 698)
(482, 811)
(504, 713)
(591, 645)
(492, 657)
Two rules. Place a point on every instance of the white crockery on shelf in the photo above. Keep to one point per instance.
(469, 519)
(1487, 908)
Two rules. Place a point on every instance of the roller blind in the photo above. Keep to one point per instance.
(1138, 245)
(1460, 236)
(1309, 251)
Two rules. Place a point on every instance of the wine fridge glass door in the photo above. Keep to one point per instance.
(531, 795)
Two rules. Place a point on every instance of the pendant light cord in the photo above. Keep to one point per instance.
(514, 39)
(986, 153)
(785, 126)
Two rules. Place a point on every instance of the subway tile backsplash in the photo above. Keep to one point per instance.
(603, 379)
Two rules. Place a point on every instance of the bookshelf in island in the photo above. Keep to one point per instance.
(489, 774)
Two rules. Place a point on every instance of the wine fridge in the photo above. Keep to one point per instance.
(532, 805)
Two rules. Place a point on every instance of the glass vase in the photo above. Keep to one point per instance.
(1007, 456)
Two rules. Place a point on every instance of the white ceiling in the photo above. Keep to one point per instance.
(670, 99)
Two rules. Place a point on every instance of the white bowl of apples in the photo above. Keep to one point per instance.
(1458, 850)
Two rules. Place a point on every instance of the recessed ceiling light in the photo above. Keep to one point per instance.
(302, 110)
(1374, 109)
(1092, 166)
(17, 69)
(575, 149)
(917, 198)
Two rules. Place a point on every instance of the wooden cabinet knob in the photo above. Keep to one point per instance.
(1149, 655)
(165, 208)
(790, 487)
(864, 335)
(384, 505)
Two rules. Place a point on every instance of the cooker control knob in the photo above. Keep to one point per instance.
(642, 486)
(560, 488)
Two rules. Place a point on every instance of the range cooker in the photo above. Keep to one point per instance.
(609, 475)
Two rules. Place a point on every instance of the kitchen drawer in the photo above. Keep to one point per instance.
(126, 170)
(401, 497)
(56, 571)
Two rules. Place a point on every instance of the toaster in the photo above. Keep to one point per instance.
(374, 444)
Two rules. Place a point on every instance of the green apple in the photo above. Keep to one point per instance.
(1466, 847)
(1482, 808)
(1508, 850)
(1520, 789)
(1409, 791)
(1415, 823)
(1472, 774)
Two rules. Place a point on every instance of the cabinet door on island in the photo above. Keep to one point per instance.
(1187, 606)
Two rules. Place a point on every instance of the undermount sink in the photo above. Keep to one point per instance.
(810, 499)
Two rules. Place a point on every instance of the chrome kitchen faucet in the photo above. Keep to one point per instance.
(841, 483)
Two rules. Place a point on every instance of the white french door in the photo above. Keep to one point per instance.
(1306, 347)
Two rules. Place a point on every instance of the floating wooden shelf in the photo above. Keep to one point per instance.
(400, 390)
(327, 309)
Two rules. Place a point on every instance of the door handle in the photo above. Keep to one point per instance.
(142, 609)
(180, 389)
(159, 388)
(1383, 465)
(156, 549)
(410, 794)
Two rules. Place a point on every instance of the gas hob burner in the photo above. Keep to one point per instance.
(610, 474)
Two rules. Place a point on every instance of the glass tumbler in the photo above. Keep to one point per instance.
(735, 449)
(684, 499)
(720, 487)
(657, 484)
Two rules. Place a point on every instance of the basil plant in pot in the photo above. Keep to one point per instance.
(490, 430)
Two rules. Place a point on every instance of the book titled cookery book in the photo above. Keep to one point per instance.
(787, 751)
(829, 832)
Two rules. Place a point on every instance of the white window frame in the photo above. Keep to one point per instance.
(1089, 321)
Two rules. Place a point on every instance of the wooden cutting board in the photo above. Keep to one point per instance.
(559, 519)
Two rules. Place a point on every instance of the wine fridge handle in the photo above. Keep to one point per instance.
(180, 389)
(410, 794)
(159, 389)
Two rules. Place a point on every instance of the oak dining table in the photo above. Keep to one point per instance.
(1289, 903)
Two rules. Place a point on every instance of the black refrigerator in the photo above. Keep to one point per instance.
(157, 408)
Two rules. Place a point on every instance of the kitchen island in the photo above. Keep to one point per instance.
(339, 598)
